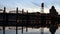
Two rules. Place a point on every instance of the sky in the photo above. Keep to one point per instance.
(30, 5)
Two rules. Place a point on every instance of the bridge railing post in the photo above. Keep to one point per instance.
(16, 20)
(22, 19)
(27, 22)
(4, 19)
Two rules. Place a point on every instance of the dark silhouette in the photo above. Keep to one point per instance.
(53, 29)
(53, 14)
(53, 26)
(53, 11)
(33, 20)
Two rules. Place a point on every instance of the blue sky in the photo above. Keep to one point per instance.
(31, 5)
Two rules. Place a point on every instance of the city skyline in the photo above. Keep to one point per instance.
(30, 5)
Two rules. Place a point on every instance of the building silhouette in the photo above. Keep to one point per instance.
(53, 11)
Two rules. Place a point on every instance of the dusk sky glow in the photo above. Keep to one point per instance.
(28, 4)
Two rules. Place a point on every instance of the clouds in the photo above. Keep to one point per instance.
(28, 3)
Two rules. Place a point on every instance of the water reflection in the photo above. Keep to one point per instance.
(30, 30)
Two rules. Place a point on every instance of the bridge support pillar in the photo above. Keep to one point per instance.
(3, 29)
(42, 30)
(53, 29)
(16, 30)
(22, 29)
(26, 29)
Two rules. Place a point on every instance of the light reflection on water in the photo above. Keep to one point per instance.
(30, 31)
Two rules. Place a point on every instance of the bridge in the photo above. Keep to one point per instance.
(30, 20)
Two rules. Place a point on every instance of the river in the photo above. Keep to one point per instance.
(30, 31)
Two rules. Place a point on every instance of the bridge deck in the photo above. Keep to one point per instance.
(30, 20)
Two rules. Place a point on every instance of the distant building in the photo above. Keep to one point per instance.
(14, 11)
(53, 11)
(19, 11)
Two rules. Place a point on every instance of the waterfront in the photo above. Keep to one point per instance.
(30, 31)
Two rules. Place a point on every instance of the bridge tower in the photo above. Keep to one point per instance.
(4, 19)
(17, 21)
(42, 11)
(42, 8)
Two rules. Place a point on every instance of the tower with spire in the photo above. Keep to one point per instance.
(42, 8)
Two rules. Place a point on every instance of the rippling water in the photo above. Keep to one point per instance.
(30, 31)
